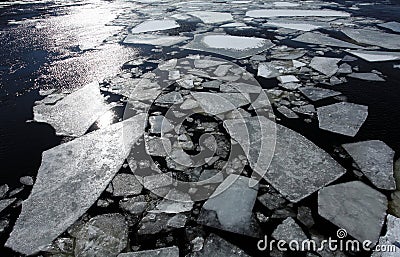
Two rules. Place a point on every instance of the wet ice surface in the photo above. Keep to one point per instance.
(302, 163)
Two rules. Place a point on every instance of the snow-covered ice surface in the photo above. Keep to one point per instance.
(155, 25)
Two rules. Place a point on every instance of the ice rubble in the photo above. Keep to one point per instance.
(268, 13)
(289, 231)
(306, 167)
(343, 118)
(355, 207)
(232, 46)
(375, 160)
(68, 183)
(75, 113)
(155, 25)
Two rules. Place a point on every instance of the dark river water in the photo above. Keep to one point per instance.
(49, 45)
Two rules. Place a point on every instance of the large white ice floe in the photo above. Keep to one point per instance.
(297, 25)
(355, 207)
(297, 168)
(232, 46)
(375, 160)
(70, 179)
(374, 37)
(151, 39)
(342, 118)
(268, 13)
(75, 113)
(375, 56)
(155, 25)
(212, 17)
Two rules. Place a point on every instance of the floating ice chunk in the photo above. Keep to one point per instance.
(366, 76)
(390, 238)
(327, 66)
(232, 194)
(160, 124)
(233, 25)
(298, 64)
(268, 13)
(69, 182)
(376, 56)
(289, 231)
(212, 17)
(287, 112)
(267, 70)
(355, 207)
(103, 235)
(374, 37)
(126, 185)
(298, 167)
(158, 40)
(155, 25)
(216, 246)
(342, 118)
(232, 46)
(217, 103)
(321, 39)
(375, 160)
(181, 203)
(298, 25)
(172, 251)
(316, 93)
(288, 79)
(205, 63)
(73, 115)
(392, 25)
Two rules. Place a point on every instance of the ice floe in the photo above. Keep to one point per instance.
(321, 39)
(375, 160)
(155, 25)
(212, 17)
(232, 46)
(355, 207)
(374, 37)
(268, 13)
(327, 66)
(366, 76)
(69, 182)
(342, 118)
(316, 93)
(392, 25)
(391, 238)
(152, 39)
(307, 168)
(75, 113)
(376, 56)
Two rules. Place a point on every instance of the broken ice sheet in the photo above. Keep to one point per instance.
(376, 56)
(212, 17)
(321, 39)
(217, 103)
(355, 207)
(375, 160)
(235, 194)
(317, 93)
(297, 25)
(232, 46)
(369, 76)
(374, 37)
(172, 251)
(327, 66)
(267, 70)
(75, 113)
(342, 118)
(103, 235)
(154, 25)
(392, 25)
(268, 13)
(298, 167)
(153, 39)
(69, 182)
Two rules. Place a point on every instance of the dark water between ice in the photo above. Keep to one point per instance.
(46, 54)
